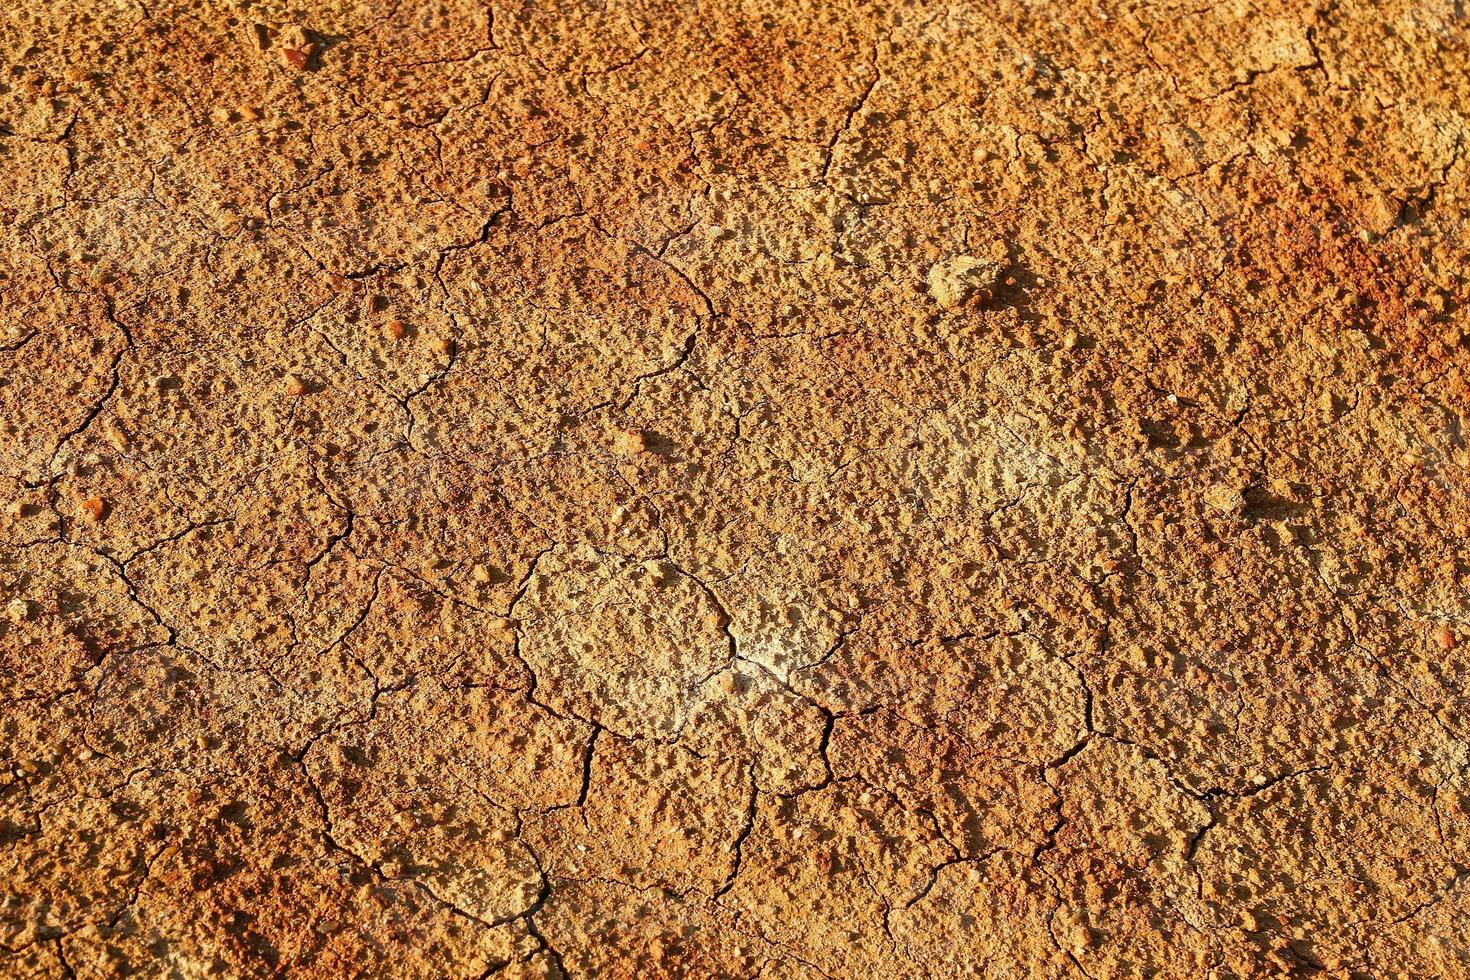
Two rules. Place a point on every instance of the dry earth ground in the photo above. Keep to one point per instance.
(749, 489)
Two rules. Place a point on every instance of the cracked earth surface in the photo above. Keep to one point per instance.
(804, 490)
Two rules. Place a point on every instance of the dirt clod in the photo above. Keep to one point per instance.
(630, 442)
(954, 281)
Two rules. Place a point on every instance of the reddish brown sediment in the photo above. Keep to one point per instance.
(786, 491)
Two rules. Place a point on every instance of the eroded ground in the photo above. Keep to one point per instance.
(783, 490)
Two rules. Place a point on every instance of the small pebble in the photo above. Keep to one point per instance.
(95, 507)
(395, 329)
(1446, 638)
(18, 610)
(480, 574)
(295, 387)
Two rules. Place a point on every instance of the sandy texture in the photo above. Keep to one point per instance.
(817, 489)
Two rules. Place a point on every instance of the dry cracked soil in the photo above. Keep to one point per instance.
(785, 490)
